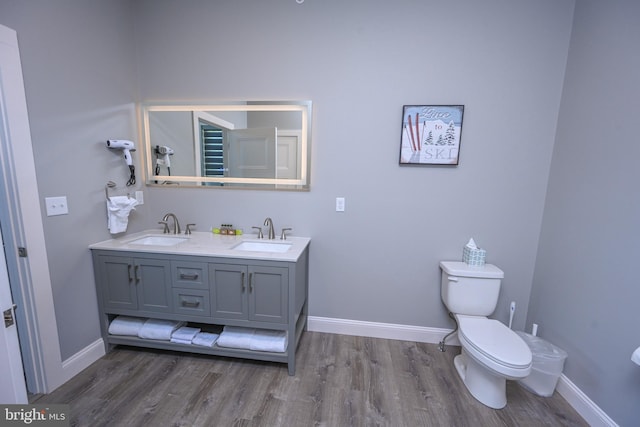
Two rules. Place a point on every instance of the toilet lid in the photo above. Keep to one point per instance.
(495, 341)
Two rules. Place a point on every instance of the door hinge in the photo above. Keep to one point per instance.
(8, 317)
(22, 252)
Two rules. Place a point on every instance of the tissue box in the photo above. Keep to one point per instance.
(474, 256)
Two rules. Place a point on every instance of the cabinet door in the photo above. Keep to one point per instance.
(116, 281)
(153, 284)
(268, 294)
(229, 291)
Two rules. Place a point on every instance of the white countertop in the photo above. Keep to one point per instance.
(203, 243)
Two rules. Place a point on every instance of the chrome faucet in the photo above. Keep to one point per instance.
(272, 233)
(176, 224)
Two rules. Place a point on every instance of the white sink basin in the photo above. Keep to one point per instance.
(262, 246)
(159, 240)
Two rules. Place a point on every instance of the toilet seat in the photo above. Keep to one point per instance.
(495, 346)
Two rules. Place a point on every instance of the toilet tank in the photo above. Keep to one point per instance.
(470, 290)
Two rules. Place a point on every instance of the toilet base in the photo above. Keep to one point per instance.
(488, 388)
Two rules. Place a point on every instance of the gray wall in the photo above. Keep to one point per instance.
(585, 293)
(80, 81)
(359, 64)
(86, 63)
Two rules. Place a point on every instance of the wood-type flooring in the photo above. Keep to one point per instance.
(340, 381)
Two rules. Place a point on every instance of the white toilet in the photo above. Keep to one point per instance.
(491, 352)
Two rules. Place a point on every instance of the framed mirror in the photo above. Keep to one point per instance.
(248, 144)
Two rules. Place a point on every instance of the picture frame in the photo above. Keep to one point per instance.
(431, 134)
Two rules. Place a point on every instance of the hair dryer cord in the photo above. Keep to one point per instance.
(132, 177)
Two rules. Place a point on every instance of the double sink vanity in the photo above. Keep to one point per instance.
(208, 280)
(214, 280)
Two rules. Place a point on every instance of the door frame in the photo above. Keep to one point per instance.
(21, 223)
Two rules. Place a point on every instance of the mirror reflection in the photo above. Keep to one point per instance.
(245, 144)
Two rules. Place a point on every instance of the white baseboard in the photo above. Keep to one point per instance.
(380, 330)
(587, 409)
(82, 359)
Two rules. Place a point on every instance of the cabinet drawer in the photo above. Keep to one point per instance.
(190, 275)
(192, 302)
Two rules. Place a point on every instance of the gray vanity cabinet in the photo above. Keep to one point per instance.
(135, 283)
(250, 292)
(206, 291)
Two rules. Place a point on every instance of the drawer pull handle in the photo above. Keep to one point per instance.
(135, 273)
(193, 276)
(250, 282)
(242, 282)
(190, 303)
(129, 273)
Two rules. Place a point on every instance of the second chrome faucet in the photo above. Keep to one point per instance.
(271, 233)
(176, 224)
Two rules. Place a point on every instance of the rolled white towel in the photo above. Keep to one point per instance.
(205, 339)
(157, 329)
(269, 340)
(235, 337)
(123, 325)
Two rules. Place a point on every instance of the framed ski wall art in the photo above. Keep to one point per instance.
(431, 134)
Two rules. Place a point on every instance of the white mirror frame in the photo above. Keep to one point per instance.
(300, 184)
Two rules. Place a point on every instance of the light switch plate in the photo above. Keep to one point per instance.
(56, 205)
(339, 204)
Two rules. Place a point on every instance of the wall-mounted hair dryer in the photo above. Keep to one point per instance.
(162, 158)
(127, 147)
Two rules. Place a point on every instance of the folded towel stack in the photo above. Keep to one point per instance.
(123, 325)
(268, 340)
(184, 335)
(177, 332)
(253, 339)
(157, 329)
(235, 337)
(205, 339)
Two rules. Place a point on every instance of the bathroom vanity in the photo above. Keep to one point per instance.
(207, 280)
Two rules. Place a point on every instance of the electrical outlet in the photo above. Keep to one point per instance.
(339, 204)
(56, 205)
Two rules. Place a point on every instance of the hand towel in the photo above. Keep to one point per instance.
(123, 325)
(118, 208)
(184, 335)
(235, 337)
(156, 329)
(269, 340)
(205, 339)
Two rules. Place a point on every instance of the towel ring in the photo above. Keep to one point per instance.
(109, 185)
